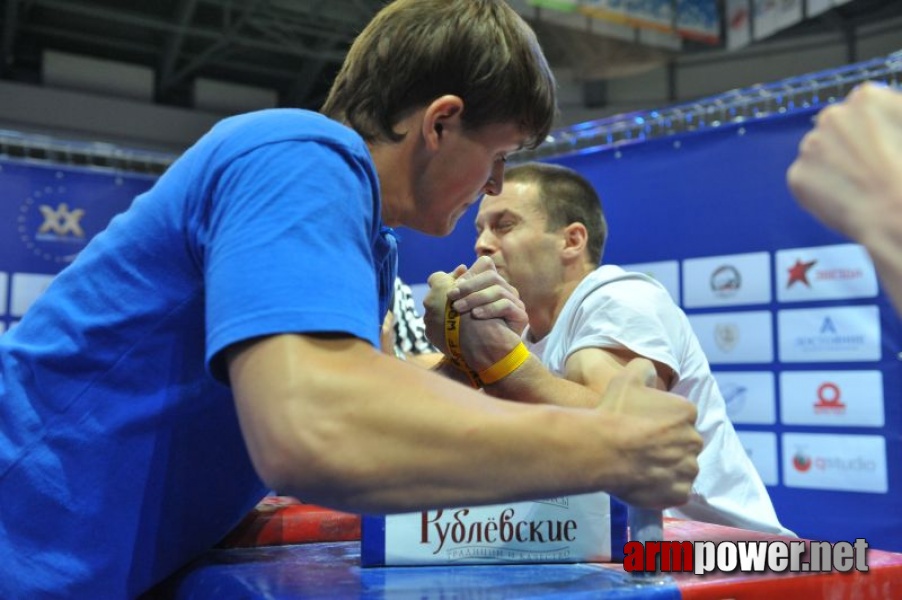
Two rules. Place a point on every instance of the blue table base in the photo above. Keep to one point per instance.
(332, 570)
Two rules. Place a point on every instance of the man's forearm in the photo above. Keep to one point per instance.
(445, 368)
(534, 384)
(886, 252)
(375, 434)
(335, 423)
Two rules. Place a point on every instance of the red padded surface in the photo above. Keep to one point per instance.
(282, 520)
(279, 520)
(883, 580)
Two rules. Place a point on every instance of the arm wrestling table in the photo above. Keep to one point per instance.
(285, 550)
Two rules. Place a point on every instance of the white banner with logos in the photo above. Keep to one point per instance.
(25, 289)
(832, 398)
(728, 280)
(749, 396)
(838, 334)
(839, 272)
(854, 463)
(735, 337)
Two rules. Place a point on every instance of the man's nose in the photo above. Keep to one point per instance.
(484, 244)
(496, 181)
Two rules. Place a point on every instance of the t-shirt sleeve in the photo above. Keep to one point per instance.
(289, 246)
(625, 314)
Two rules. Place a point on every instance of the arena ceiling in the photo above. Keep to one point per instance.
(291, 46)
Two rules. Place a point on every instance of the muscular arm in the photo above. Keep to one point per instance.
(492, 318)
(590, 370)
(596, 367)
(334, 422)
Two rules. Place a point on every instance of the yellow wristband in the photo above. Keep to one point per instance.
(506, 365)
(452, 341)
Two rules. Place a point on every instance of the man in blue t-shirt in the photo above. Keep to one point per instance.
(218, 339)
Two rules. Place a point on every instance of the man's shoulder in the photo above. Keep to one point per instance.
(611, 287)
(285, 124)
(608, 278)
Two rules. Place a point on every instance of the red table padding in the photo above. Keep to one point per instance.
(882, 580)
(284, 521)
(279, 520)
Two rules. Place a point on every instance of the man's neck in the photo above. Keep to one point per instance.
(397, 164)
(389, 161)
(543, 313)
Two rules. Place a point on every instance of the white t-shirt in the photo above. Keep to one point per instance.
(615, 309)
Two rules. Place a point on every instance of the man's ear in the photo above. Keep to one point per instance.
(575, 236)
(441, 116)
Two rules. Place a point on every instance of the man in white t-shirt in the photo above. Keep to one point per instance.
(545, 233)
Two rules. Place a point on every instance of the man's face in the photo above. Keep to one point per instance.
(467, 165)
(512, 231)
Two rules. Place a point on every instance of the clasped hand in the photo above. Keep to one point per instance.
(491, 312)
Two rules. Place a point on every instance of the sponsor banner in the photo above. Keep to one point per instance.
(738, 23)
(771, 16)
(789, 13)
(854, 463)
(665, 272)
(761, 447)
(698, 19)
(816, 7)
(4, 288)
(825, 273)
(737, 337)
(48, 213)
(749, 396)
(738, 18)
(839, 334)
(832, 398)
(727, 280)
(26, 287)
(612, 11)
(765, 18)
(581, 528)
(656, 12)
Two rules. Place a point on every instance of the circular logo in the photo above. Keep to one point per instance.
(829, 394)
(801, 462)
(726, 281)
(49, 222)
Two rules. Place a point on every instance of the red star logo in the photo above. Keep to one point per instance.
(799, 272)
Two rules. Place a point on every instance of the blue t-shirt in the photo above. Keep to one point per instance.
(120, 452)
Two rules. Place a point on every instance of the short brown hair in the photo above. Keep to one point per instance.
(415, 51)
(566, 197)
